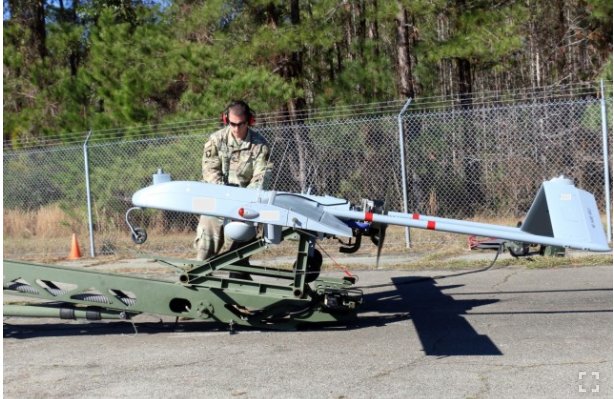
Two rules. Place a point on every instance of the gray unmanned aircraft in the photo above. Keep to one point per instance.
(561, 215)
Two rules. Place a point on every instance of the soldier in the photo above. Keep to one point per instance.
(235, 155)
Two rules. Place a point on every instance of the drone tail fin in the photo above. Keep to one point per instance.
(565, 212)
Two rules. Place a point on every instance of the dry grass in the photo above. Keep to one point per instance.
(50, 221)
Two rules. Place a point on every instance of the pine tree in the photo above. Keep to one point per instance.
(84, 64)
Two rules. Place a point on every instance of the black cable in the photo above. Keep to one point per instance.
(423, 279)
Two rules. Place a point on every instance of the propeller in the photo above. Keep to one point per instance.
(378, 230)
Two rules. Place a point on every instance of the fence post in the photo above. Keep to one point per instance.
(88, 194)
(606, 159)
(403, 167)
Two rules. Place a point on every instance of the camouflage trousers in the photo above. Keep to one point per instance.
(209, 237)
(209, 242)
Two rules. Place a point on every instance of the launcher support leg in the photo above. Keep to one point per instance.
(305, 248)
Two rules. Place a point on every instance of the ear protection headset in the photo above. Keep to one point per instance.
(251, 120)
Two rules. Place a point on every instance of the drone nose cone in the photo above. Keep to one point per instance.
(137, 198)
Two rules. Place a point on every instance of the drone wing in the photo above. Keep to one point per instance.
(242, 204)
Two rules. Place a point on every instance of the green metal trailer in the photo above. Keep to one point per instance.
(226, 289)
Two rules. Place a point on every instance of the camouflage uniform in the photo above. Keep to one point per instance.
(227, 160)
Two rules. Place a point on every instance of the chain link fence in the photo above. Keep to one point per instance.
(483, 161)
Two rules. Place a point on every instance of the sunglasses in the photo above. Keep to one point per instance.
(232, 124)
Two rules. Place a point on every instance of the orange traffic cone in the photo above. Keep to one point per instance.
(75, 253)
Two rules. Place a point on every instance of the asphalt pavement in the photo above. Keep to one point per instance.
(507, 332)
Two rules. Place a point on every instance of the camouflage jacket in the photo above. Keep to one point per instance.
(228, 161)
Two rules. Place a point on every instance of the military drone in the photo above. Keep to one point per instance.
(228, 289)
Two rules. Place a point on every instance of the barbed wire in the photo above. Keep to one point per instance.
(336, 113)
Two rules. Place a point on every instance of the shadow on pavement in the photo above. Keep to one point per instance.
(437, 317)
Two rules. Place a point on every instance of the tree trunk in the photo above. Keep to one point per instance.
(373, 35)
(70, 16)
(404, 67)
(471, 158)
(297, 108)
(31, 15)
(465, 87)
